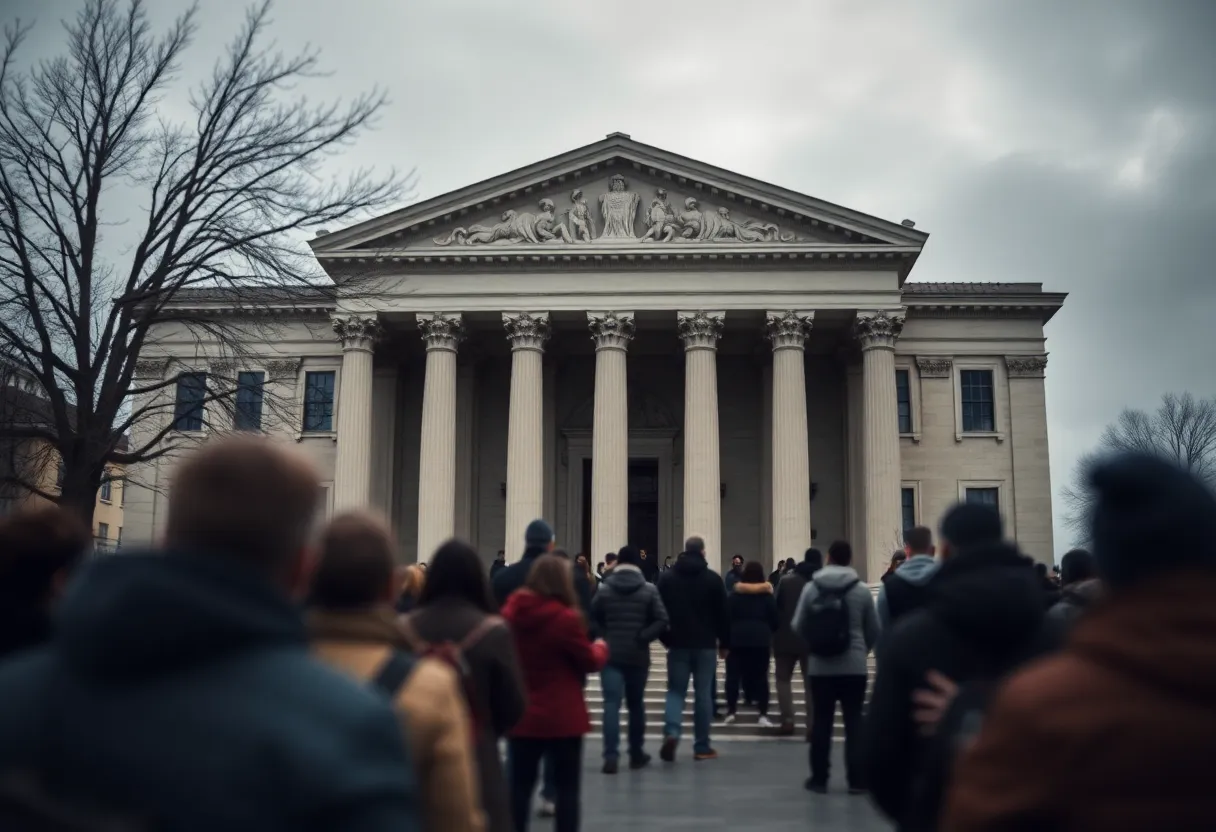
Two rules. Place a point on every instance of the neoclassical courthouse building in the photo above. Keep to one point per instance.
(639, 347)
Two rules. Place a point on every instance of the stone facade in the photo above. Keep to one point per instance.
(727, 351)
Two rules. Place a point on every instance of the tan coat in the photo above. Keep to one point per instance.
(432, 707)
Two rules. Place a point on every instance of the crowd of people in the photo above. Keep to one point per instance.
(249, 673)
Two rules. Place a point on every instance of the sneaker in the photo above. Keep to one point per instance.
(705, 755)
(641, 761)
(730, 720)
(815, 787)
(765, 722)
(668, 752)
(610, 767)
(546, 809)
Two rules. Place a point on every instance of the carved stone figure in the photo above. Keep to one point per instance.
(660, 219)
(582, 226)
(690, 220)
(712, 227)
(619, 208)
(516, 227)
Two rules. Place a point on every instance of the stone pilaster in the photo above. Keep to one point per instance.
(353, 466)
(442, 333)
(611, 332)
(700, 332)
(527, 333)
(1029, 449)
(877, 332)
(791, 497)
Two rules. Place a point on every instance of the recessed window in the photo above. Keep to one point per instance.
(107, 489)
(188, 408)
(103, 531)
(984, 497)
(903, 395)
(61, 471)
(249, 389)
(979, 412)
(319, 401)
(907, 506)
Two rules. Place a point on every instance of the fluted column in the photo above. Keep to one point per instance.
(611, 332)
(353, 466)
(877, 332)
(700, 332)
(791, 456)
(527, 333)
(442, 333)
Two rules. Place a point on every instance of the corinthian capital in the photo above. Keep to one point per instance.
(700, 330)
(879, 329)
(1026, 366)
(526, 330)
(788, 330)
(611, 330)
(441, 330)
(357, 332)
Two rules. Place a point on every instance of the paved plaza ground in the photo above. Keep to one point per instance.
(753, 785)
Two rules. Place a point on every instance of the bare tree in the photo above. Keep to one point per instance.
(223, 198)
(1182, 429)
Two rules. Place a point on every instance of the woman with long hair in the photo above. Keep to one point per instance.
(556, 655)
(456, 608)
(753, 620)
(410, 581)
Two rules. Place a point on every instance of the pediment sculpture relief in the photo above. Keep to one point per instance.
(618, 220)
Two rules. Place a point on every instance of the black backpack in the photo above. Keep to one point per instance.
(825, 627)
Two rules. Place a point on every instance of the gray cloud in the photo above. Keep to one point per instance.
(1069, 143)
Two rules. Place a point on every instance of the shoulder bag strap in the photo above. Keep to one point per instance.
(394, 673)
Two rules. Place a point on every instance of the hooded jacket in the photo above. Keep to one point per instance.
(513, 577)
(984, 618)
(629, 614)
(905, 589)
(1115, 732)
(555, 656)
(202, 667)
(695, 599)
(753, 616)
(786, 642)
(863, 621)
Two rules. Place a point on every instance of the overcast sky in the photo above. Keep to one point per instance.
(1071, 143)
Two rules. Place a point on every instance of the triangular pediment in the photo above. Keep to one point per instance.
(614, 194)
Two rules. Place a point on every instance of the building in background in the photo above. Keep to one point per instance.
(640, 347)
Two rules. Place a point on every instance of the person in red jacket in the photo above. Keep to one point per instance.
(555, 655)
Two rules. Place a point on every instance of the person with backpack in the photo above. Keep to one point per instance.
(789, 650)
(906, 587)
(753, 620)
(179, 692)
(837, 620)
(456, 620)
(629, 612)
(354, 629)
(983, 618)
(1115, 731)
(556, 655)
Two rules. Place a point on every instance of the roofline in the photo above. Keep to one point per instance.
(1043, 305)
(604, 152)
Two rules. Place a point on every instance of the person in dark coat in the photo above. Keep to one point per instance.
(1115, 732)
(40, 548)
(1081, 589)
(456, 607)
(906, 587)
(984, 617)
(753, 620)
(775, 575)
(499, 564)
(630, 614)
(732, 576)
(538, 540)
(182, 687)
(649, 564)
(698, 630)
(789, 650)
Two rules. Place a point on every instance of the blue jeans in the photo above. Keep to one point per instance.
(627, 683)
(700, 665)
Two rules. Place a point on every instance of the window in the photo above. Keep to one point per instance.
(907, 505)
(60, 472)
(188, 410)
(103, 531)
(107, 489)
(903, 395)
(118, 538)
(249, 401)
(979, 413)
(122, 493)
(319, 401)
(984, 497)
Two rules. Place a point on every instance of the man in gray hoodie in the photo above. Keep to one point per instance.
(907, 588)
(839, 676)
(629, 613)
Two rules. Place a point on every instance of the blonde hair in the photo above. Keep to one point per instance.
(412, 579)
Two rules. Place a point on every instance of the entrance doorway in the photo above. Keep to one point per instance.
(643, 508)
